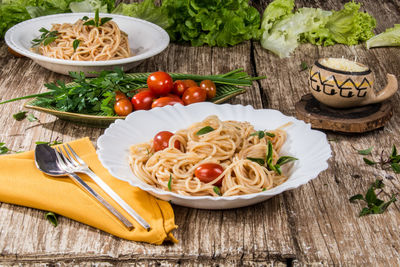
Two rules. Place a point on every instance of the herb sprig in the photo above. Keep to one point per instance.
(374, 204)
(268, 160)
(46, 38)
(97, 21)
(205, 130)
(393, 160)
(262, 134)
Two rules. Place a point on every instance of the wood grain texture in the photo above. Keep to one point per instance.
(312, 225)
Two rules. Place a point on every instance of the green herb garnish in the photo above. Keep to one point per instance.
(374, 204)
(303, 66)
(20, 115)
(261, 134)
(46, 38)
(369, 162)
(3, 148)
(50, 143)
(31, 117)
(52, 218)
(267, 162)
(216, 190)
(97, 21)
(365, 151)
(170, 183)
(75, 44)
(205, 130)
(264, 189)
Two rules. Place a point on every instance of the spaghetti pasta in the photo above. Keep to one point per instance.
(105, 42)
(231, 144)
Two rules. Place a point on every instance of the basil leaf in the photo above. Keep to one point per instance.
(205, 130)
(364, 211)
(369, 162)
(44, 30)
(52, 218)
(20, 115)
(356, 197)
(278, 169)
(75, 44)
(104, 20)
(89, 22)
(365, 151)
(49, 40)
(32, 117)
(3, 148)
(170, 182)
(258, 160)
(285, 159)
(370, 197)
(395, 167)
(216, 190)
(85, 18)
(269, 134)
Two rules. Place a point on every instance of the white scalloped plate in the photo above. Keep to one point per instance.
(309, 146)
(145, 40)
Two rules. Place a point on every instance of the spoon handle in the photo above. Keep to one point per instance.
(88, 189)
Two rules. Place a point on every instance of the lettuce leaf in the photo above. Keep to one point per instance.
(212, 22)
(146, 10)
(283, 29)
(390, 37)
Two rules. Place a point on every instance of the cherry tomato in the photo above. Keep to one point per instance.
(166, 100)
(190, 83)
(161, 141)
(207, 172)
(174, 96)
(160, 83)
(123, 107)
(194, 95)
(179, 87)
(143, 100)
(210, 88)
(119, 95)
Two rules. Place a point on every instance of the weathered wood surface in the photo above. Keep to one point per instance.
(312, 225)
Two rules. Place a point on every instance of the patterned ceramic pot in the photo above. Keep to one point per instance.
(346, 89)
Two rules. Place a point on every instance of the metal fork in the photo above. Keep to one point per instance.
(65, 165)
(78, 165)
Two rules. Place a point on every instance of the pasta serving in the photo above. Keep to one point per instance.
(87, 42)
(212, 157)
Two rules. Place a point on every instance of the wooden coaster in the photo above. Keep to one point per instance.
(350, 120)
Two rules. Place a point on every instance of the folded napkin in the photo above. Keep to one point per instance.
(23, 184)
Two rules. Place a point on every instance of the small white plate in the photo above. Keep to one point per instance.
(145, 40)
(309, 146)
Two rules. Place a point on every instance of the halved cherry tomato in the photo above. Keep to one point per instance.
(161, 140)
(210, 88)
(208, 172)
(123, 107)
(179, 87)
(194, 95)
(143, 100)
(190, 83)
(166, 100)
(119, 95)
(160, 83)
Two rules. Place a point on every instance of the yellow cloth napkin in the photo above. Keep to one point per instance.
(23, 184)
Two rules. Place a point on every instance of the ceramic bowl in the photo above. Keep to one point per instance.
(309, 146)
(145, 40)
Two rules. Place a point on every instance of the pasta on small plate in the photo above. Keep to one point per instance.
(215, 156)
(85, 42)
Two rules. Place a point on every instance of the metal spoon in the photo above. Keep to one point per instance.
(46, 161)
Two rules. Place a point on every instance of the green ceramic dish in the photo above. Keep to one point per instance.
(224, 92)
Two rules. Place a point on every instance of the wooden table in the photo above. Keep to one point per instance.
(314, 224)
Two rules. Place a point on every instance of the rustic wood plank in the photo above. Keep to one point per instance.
(325, 225)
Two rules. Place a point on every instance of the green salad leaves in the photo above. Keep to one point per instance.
(284, 29)
(391, 37)
(212, 22)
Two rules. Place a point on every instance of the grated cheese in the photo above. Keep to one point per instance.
(343, 64)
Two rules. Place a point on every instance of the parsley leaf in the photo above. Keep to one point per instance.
(52, 218)
(216, 190)
(3, 148)
(20, 115)
(205, 130)
(46, 38)
(170, 183)
(261, 134)
(365, 151)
